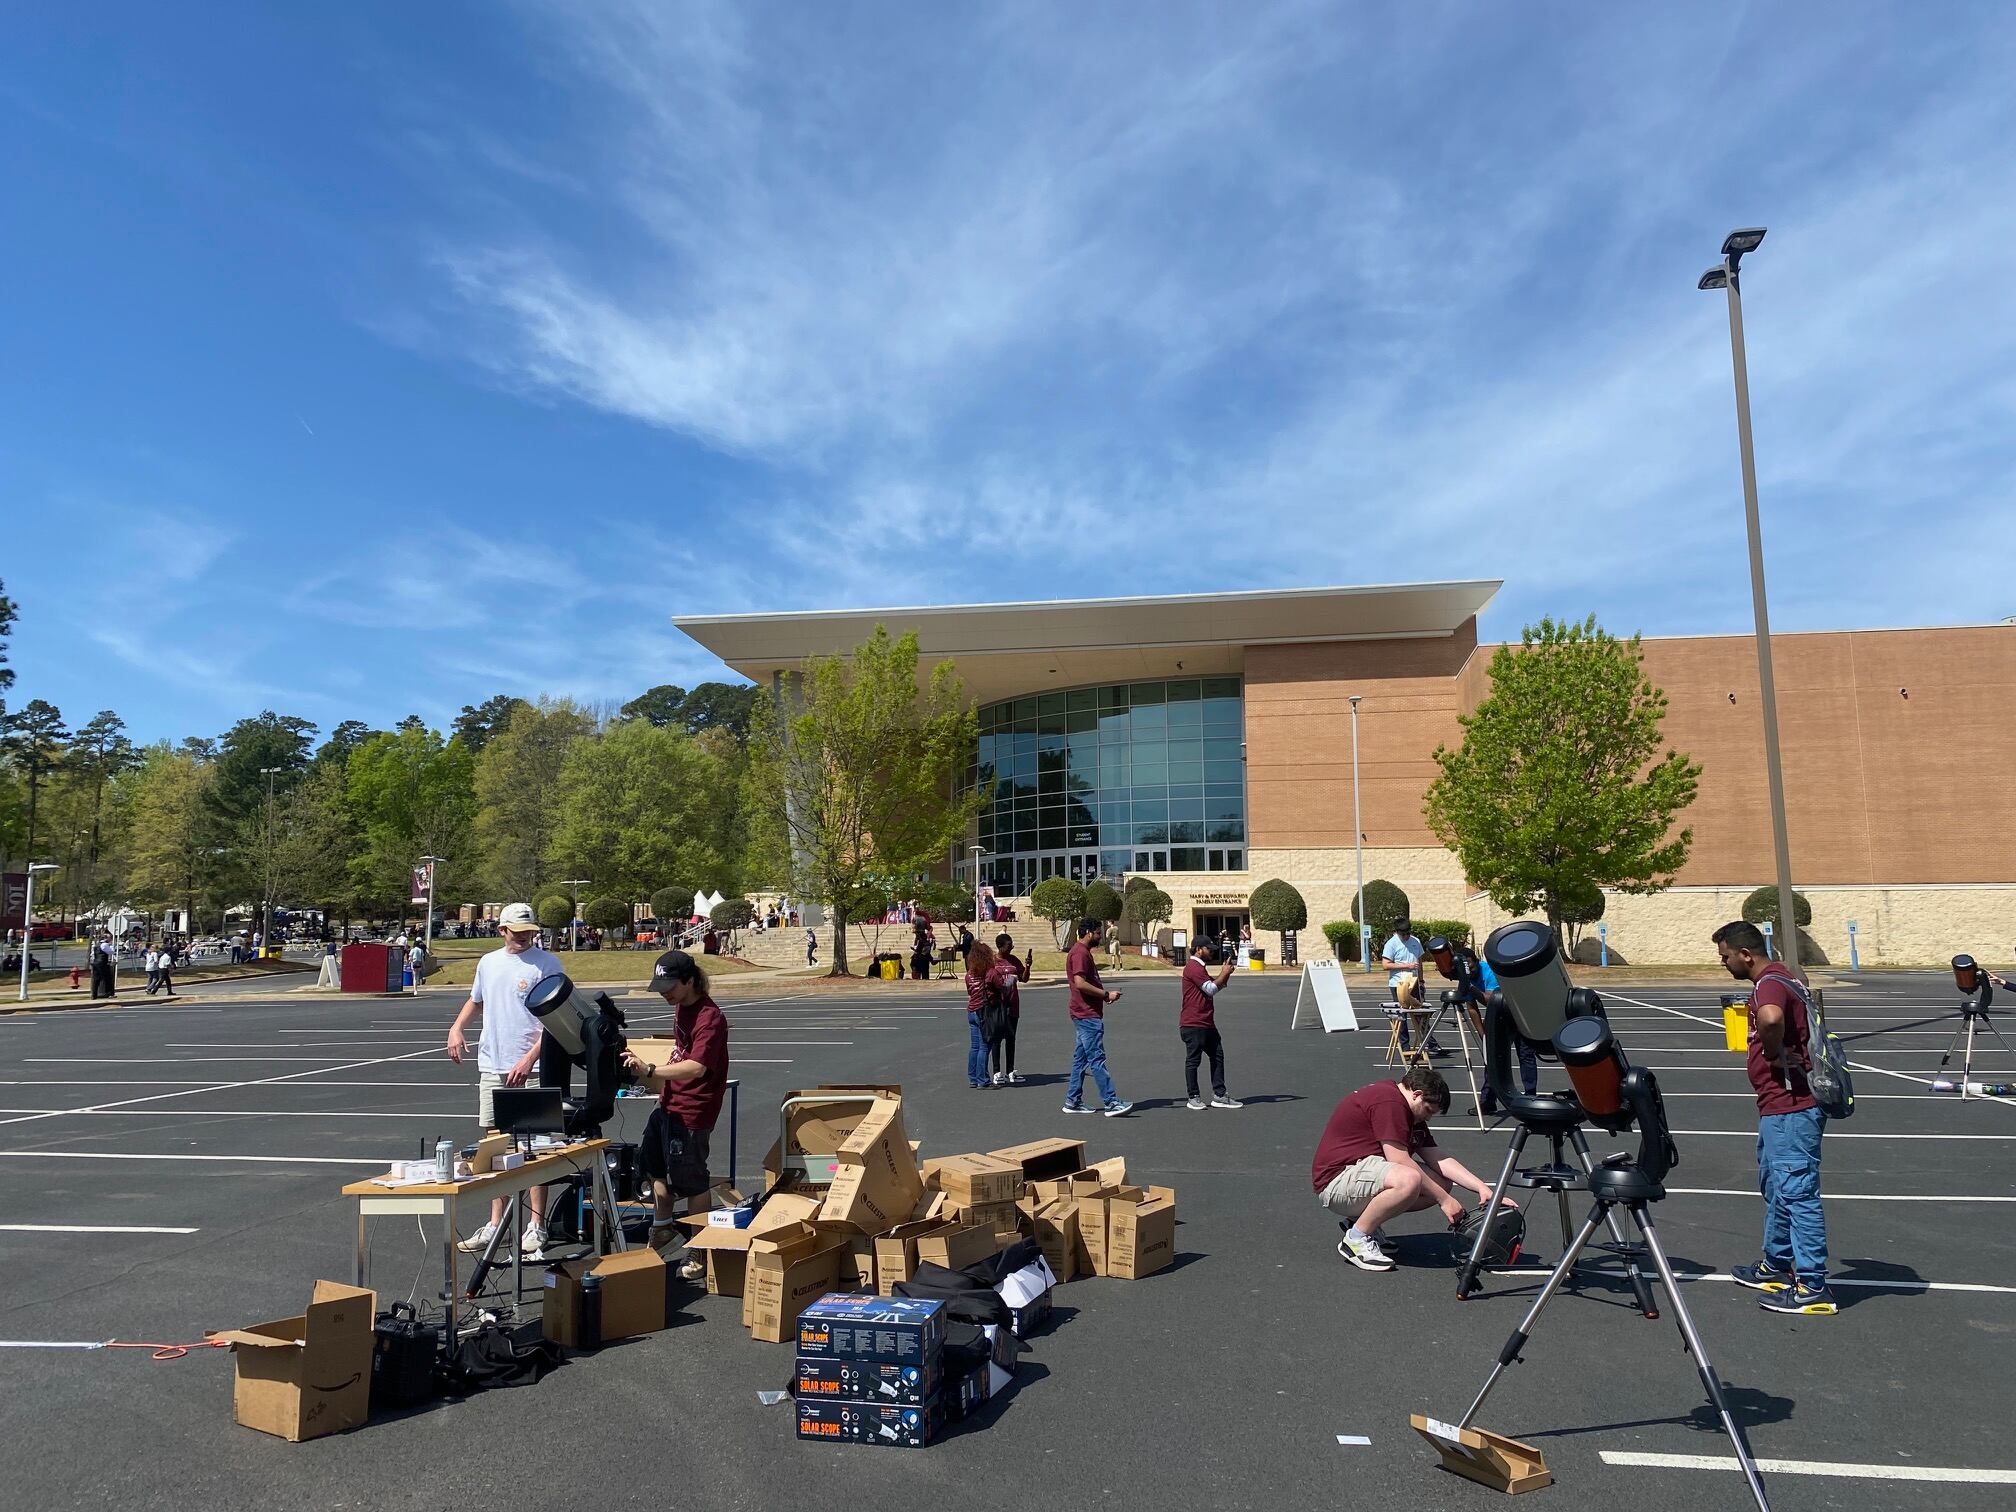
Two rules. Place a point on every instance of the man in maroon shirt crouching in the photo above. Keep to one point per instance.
(690, 1087)
(1377, 1160)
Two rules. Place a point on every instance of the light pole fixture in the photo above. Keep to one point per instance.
(1725, 276)
(28, 919)
(979, 853)
(266, 904)
(1358, 842)
(427, 924)
(574, 923)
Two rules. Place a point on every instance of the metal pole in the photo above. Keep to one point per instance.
(27, 928)
(1766, 685)
(1358, 841)
(427, 924)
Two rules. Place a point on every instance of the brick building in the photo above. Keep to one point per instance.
(1205, 740)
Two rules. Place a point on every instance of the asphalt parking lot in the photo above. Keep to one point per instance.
(168, 1169)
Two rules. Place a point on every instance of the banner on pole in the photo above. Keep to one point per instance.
(423, 880)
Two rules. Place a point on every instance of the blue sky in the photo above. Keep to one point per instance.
(374, 358)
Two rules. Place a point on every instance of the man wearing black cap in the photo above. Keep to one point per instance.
(690, 1086)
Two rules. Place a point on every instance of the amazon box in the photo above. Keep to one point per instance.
(300, 1378)
(633, 1296)
(977, 1180)
(1045, 1159)
(1140, 1232)
(876, 1184)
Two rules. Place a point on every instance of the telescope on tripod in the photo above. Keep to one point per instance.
(1977, 991)
(1536, 997)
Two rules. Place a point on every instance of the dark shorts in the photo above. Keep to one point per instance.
(674, 1154)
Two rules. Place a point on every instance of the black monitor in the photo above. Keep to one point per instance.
(522, 1111)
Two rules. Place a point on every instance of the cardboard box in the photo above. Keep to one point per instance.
(857, 1261)
(955, 1248)
(862, 1381)
(633, 1296)
(1045, 1159)
(867, 1423)
(299, 1378)
(875, 1179)
(488, 1148)
(1055, 1229)
(814, 1134)
(1140, 1232)
(978, 1180)
(726, 1250)
(875, 1330)
(896, 1252)
(787, 1273)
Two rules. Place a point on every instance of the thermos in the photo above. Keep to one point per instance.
(444, 1160)
(591, 1311)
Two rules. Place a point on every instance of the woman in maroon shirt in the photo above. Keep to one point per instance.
(1010, 972)
(979, 987)
(691, 1085)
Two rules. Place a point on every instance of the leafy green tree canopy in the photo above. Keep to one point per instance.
(1277, 906)
(1058, 899)
(1101, 902)
(606, 913)
(555, 912)
(479, 724)
(1385, 903)
(1763, 904)
(1148, 907)
(733, 913)
(1560, 784)
(672, 906)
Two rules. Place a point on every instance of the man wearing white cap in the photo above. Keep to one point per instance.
(508, 1052)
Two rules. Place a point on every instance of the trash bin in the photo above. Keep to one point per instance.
(1736, 1022)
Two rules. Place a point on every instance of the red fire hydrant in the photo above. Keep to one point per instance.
(76, 977)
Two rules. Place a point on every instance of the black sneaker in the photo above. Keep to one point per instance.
(1817, 1300)
(1764, 1278)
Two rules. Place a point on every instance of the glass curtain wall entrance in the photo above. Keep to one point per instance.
(1100, 781)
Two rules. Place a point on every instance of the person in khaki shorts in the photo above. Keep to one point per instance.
(1377, 1160)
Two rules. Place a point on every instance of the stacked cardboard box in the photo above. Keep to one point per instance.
(1092, 1222)
(870, 1370)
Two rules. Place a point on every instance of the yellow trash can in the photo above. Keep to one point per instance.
(1736, 1023)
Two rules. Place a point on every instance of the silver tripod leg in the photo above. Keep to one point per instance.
(1707, 1371)
(1466, 1279)
(1469, 1066)
(1510, 1352)
(1640, 1287)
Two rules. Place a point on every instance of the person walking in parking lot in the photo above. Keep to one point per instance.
(1090, 998)
(1198, 1023)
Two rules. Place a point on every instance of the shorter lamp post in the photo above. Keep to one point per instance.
(28, 919)
(574, 923)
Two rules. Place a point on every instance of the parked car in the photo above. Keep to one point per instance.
(49, 929)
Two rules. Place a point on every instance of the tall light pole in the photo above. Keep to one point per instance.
(1724, 276)
(1358, 841)
(266, 905)
(28, 920)
(427, 924)
(574, 923)
(978, 851)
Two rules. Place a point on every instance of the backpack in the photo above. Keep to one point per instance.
(1827, 1075)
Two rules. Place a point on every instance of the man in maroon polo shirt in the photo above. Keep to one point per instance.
(673, 1152)
(1198, 1024)
(1793, 1276)
(1089, 997)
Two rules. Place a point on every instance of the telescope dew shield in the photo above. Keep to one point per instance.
(1966, 975)
(1443, 956)
(551, 1001)
(1595, 1065)
(1531, 976)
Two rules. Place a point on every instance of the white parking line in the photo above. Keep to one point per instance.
(1907, 1286)
(128, 1102)
(89, 1228)
(1832, 1134)
(1833, 1196)
(228, 1113)
(1832, 1468)
(379, 1161)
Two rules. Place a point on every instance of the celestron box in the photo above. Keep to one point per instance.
(867, 1423)
(877, 1330)
(860, 1381)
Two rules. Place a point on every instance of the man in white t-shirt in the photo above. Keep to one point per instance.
(1403, 953)
(508, 1052)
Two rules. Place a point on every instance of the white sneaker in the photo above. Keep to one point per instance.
(533, 1243)
(1014, 1078)
(1365, 1254)
(1000, 1078)
(1196, 1105)
(475, 1243)
(1226, 1102)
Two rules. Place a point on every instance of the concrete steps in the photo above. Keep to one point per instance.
(786, 947)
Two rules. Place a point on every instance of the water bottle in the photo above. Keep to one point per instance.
(591, 1311)
(444, 1160)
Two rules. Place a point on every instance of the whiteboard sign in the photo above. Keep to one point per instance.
(1323, 986)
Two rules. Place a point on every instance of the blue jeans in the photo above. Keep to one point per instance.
(1788, 1174)
(976, 1057)
(1089, 1054)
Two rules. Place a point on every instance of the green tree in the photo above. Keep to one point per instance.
(1581, 905)
(1102, 902)
(1138, 883)
(731, 914)
(1385, 905)
(99, 753)
(1559, 783)
(556, 912)
(639, 803)
(1058, 900)
(9, 612)
(855, 776)
(35, 740)
(672, 906)
(517, 793)
(173, 830)
(412, 794)
(316, 834)
(606, 912)
(1147, 908)
(479, 724)
(657, 706)
(1762, 905)
(1278, 907)
(720, 706)
(345, 738)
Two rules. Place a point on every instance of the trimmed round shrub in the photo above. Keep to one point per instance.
(1455, 931)
(672, 905)
(1277, 906)
(606, 913)
(1138, 883)
(555, 912)
(1057, 899)
(1762, 905)
(1148, 907)
(1102, 903)
(733, 913)
(1343, 937)
(1384, 903)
